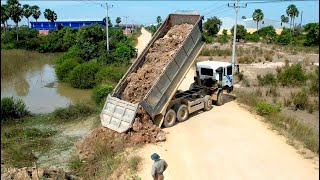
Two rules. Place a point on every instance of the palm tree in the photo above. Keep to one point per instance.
(292, 12)
(159, 20)
(284, 19)
(109, 21)
(15, 12)
(257, 16)
(4, 15)
(35, 12)
(27, 11)
(243, 17)
(118, 20)
(50, 15)
(47, 13)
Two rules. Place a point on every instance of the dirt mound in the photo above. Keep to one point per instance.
(158, 57)
(30, 173)
(143, 131)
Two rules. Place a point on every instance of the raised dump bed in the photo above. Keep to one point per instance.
(118, 114)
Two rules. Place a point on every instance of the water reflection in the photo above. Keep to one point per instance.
(30, 85)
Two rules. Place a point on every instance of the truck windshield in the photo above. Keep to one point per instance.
(207, 72)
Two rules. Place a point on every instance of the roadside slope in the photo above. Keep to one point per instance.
(227, 142)
(143, 40)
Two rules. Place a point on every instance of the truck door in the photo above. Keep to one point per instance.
(227, 76)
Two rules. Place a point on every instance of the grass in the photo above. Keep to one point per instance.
(17, 61)
(134, 163)
(74, 111)
(215, 52)
(19, 144)
(288, 126)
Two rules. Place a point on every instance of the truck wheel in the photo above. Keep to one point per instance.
(207, 103)
(170, 118)
(220, 99)
(182, 113)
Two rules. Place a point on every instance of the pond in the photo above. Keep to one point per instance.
(36, 83)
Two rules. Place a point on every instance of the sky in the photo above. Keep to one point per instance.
(145, 12)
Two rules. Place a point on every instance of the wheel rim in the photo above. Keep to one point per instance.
(183, 113)
(209, 103)
(170, 118)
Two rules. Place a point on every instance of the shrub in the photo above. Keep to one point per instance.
(273, 91)
(268, 79)
(287, 102)
(268, 57)
(264, 108)
(100, 93)
(122, 53)
(134, 163)
(293, 75)
(267, 32)
(13, 108)
(110, 74)
(63, 70)
(246, 59)
(300, 99)
(74, 111)
(285, 37)
(314, 81)
(258, 92)
(252, 37)
(312, 37)
(83, 76)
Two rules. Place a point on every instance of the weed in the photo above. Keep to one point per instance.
(19, 144)
(246, 82)
(247, 98)
(74, 111)
(300, 99)
(264, 108)
(134, 162)
(314, 81)
(286, 63)
(272, 91)
(258, 92)
(287, 101)
(268, 57)
(246, 59)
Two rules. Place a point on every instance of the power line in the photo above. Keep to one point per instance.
(224, 6)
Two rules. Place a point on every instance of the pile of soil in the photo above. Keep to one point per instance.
(158, 57)
(143, 131)
(30, 173)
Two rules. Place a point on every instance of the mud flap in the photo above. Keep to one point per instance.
(117, 114)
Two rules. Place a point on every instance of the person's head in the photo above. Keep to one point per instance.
(155, 156)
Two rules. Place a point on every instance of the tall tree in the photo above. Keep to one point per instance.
(109, 21)
(15, 12)
(4, 14)
(35, 12)
(118, 20)
(47, 13)
(293, 12)
(50, 15)
(284, 19)
(212, 25)
(241, 32)
(27, 11)
(257, 16)
(159, 20)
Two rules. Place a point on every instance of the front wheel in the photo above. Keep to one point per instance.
(220, 99)
(207, 103)
(170, 118)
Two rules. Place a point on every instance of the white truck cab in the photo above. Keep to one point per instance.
(215, 72)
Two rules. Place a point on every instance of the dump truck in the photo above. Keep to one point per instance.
(164, 102)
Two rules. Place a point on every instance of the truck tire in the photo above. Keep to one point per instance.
(170, 118)
(207, 103)
(182, 112)
(220, 99)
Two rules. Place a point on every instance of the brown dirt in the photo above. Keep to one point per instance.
(29, 173)
(158, 57)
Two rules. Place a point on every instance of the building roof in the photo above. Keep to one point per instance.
(68, 20)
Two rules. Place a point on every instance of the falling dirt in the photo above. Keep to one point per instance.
(158, 57)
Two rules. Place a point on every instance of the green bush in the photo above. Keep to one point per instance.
(314, 81)
(263, 108)
(83, 76)
(268, 79)
(63, 70)
(252, 37)
(110, 74)
(74, 111)
(122, 53)
(267, 32)
(284, 38)
(100, 93)
(293, 75)
(312, 37)
(207, 38)
(13, 108)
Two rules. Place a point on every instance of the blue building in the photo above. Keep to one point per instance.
(46, 25)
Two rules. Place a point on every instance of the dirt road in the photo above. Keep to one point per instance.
(143, 40)
(227, 142)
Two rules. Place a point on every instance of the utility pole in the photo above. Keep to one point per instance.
(236, 8)
(126, 24)
(107, 7)
(301, 19)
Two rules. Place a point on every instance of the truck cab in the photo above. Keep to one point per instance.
(215, 74)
